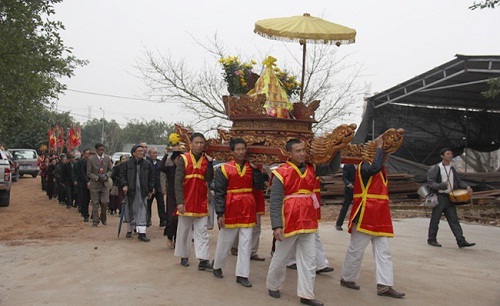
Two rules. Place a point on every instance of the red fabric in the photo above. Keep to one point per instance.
(195, 187)
(240, 207)
(299, 214)
(317, 191)
(260, 201)
(52, 140)
(372, 203)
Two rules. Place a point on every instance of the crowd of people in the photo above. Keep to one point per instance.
(131, 185)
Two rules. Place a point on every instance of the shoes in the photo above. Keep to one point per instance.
(292, 266)
(257, 257)
(350, 285)
(185, 262)
(143, 238)
(104, 222)
(94, 225)
(170, 243)
(274, 293)
(111, 212)
(163, 224)
(243, 281)
(465, 244)
(234, 251)
(325, 270)
(434, 243)
(86, 219)
(204, 264)
(312, 302)
(339, 228)
(218, 273)
(129, 235)
(384, 290)
(68, 207)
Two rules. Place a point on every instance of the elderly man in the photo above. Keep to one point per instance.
(158, 194)
(293, 209)
(136, 180)
(98, 172)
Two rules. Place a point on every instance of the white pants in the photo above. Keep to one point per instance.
(185, 228)
(224, 243)
(305, 252)
(255, 237)
(321, 260)
(381, 252)
(138, 229)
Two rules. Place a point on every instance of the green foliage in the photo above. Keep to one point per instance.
(32, 59)
(152, 132)
(485, 4)
(236, 74)
(494, 89)
(92, 134)
(33, 132)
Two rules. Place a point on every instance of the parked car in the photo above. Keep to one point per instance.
(27, 160)
(116, 157)
(5, 179)
(14, 166)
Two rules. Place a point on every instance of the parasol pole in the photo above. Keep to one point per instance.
(303, 70)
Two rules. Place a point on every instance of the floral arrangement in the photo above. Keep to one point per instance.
(174, 139)
(236, 74)
(288, 82)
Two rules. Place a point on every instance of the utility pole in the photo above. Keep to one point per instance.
(102, 132)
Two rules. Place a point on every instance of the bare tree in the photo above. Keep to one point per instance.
(200, 91)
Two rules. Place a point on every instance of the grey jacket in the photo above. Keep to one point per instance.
(434, 179)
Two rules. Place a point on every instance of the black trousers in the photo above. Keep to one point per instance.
(69, 195)
(348, 195)
(84, 195)
(450, 212)
(160, 202)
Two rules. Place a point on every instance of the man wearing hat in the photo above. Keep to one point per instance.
(136, 179)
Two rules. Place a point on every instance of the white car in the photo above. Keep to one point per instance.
(116, 157)
(5, 179)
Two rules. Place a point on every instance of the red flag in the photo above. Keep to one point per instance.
(78, 134)
(60, 137)
(52, 139)
(72, 136)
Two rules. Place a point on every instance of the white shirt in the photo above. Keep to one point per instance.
(446, 177)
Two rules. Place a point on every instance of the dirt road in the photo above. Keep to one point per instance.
(48, 256)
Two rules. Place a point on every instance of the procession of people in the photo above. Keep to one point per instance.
(179, 183)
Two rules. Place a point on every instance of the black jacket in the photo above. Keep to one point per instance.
(128, 173)
(156, 173)
(81, 173)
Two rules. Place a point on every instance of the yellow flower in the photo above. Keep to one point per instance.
(174, 139)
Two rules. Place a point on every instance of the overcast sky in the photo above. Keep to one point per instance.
(396, 40)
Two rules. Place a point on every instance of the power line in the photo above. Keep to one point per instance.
(116, 96)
